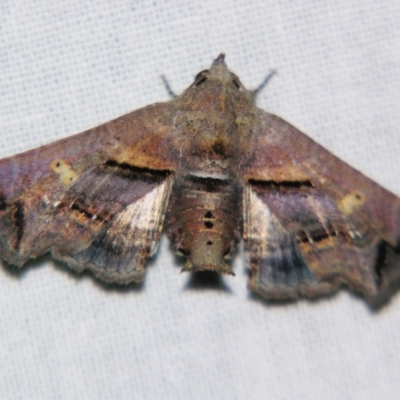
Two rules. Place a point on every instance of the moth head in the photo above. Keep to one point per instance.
(218, 73)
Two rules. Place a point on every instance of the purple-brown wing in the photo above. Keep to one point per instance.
(312, 222)
(95, 200)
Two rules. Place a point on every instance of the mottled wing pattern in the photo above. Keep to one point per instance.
(95, 200)
(312, 222)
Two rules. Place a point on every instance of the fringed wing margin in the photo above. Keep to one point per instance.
(313, 223)
(96, 200)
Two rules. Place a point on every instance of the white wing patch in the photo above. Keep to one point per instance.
(143, 220)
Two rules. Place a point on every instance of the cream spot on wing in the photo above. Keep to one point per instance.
(66, 174)
(350, 202)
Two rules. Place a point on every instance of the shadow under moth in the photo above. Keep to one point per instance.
(211, 168)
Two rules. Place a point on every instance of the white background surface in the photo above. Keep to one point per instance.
(66, 66)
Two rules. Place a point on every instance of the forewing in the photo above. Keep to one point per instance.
(312, 222)
(95, 200)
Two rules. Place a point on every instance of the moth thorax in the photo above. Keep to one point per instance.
(203, 222)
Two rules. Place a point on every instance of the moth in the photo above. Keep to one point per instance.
(211, 168)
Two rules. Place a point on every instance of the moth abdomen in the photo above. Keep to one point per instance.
(203, 222)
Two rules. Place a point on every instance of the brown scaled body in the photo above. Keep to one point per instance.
(219, 169)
